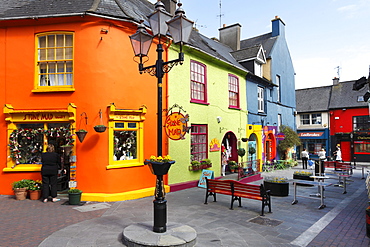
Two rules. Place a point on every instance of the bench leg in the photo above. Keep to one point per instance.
(210, 194)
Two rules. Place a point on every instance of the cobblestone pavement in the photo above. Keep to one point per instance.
(341, 223)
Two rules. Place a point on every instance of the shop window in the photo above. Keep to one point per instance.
(54, 62)
(199, 142)
(233, 91)
(198, 82)
(126, 137)
(362, 147)
(361, 123)
(125, 141)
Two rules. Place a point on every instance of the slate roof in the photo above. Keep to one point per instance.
(312, 99)
(125, 9)
(344, 97)
(265, 40)
(247, 53)
(321, 99)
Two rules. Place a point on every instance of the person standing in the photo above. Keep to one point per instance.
(304, 157)
(322, 158)
(49, 171)
(338, 154)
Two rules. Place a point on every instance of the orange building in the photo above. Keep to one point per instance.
(66, 67)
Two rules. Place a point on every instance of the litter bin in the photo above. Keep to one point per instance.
(317, 167)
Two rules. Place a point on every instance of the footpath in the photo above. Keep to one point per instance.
(341, 223)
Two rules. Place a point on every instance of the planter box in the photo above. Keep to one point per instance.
(277, 189)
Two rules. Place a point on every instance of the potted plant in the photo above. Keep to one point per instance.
(20, 189)
(278, 186)
(81, 133)
(35, 189)
(194, 165)
(159, 165)
(74, 196)
(205, 163)
(100, 128)
(232, 165)
(303, 175)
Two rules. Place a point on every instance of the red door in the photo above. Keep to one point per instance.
(346, 150)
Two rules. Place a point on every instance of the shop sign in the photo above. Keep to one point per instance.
(205, 174)
(214, 145)
(41, 116)
(311, 134)
(176, 125)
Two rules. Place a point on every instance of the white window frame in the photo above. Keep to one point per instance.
(260, 97)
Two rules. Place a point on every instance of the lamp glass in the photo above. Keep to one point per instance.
(158, 22)
(180, 29)
(141, 41)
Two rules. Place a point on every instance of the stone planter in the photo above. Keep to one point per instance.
(277, 189)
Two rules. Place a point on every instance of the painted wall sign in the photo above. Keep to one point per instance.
(41, 116)
(214, 145)
(280, 136)
(311, 134)
(176, 125)
(205, 174)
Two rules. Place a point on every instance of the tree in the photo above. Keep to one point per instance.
(291, 139)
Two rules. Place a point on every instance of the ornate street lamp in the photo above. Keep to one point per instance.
(180, 29)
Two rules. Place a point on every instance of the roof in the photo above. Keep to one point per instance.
(213, 48)
(320, 99)
(313, 99)
(343, 96)
(265, 40)
(126, 9)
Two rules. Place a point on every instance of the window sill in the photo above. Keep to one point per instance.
(53, 89)
(116, 166)
(24, 168)
(234, 108)
(199, 102)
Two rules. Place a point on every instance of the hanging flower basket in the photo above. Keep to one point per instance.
(81, 135)
(100, 128)
(159, 165)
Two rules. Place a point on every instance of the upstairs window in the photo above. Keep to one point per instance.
(361, 123)
(305, 119)
(310, 119)
(261, 103)
(54, 61)
(233, 91)
(198, 82)
(278, 89)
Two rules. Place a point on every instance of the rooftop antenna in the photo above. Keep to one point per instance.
(220, 15)
(338, 70)
(200, 26)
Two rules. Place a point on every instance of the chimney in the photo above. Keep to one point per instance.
(335, 81)
(230, 35)
(170, 6)
(278, 27)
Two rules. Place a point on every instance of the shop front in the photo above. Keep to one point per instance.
(313, 141)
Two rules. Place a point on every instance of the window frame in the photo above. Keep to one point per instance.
(233, 90)
(38, 62)
(261, 99)
(362, 121)
(278, 88)
(196, 131)
(202, 80)
(126, 116)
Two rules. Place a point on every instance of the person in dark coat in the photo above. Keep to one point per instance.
(49, 171)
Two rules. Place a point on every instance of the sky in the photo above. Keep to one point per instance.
(325, 37)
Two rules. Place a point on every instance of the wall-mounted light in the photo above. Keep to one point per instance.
(218, 119)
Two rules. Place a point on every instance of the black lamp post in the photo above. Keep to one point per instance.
(180, 29)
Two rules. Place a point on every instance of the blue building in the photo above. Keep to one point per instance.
(270, 86)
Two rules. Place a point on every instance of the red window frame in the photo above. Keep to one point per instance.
(233, 91)
(198, 82)
(199, 140)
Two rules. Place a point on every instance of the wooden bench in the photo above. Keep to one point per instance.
(237, 191)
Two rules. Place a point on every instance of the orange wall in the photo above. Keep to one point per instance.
(104, 73)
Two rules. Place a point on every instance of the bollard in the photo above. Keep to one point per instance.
(368, 221)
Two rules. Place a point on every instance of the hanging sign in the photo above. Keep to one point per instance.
(176, 125)
(205, 174)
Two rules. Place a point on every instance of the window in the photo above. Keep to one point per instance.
(198, 142)
(361, 123)
(125, 141)
(198, 82)
(362, 147)
(54, 62)
(360, 99)
(316, 118)
(310, 119)
(126, 137)
(278, 88)
(260, 96)
(233, 91)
